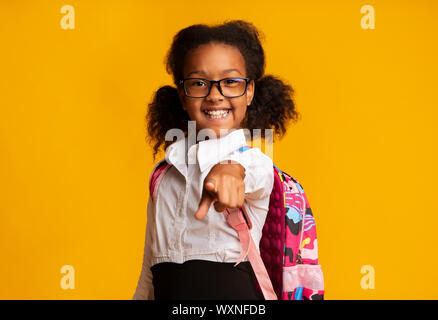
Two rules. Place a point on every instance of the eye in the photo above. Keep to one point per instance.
(197, 83)
(233, 82)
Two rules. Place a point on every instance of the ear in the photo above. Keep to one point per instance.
(250, 90)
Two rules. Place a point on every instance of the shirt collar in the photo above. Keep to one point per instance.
(176, 155)
(209, 152)
(212, 151)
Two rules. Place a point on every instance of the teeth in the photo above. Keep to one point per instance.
(216, 114)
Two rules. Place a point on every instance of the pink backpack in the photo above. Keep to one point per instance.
(287, 266)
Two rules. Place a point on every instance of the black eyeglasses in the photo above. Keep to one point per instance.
(228, 87)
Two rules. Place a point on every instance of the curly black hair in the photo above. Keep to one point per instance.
(272, 105)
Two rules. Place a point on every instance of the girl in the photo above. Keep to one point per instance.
(190, 250)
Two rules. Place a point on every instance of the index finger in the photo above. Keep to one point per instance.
(204, 206)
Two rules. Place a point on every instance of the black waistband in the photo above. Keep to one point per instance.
(200, 279)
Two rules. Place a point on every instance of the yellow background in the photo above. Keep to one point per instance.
(74, 163)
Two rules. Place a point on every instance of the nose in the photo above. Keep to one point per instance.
(214, 92)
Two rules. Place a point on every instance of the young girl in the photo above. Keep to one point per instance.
(190, 250)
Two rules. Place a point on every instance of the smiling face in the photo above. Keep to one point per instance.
(215, 61)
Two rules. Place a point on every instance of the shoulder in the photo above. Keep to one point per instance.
(256, 159)
(158, 167)
(261, 157)
(157, 174)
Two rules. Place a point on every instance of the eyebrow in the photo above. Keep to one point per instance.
(203, 73)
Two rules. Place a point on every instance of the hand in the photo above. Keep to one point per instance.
(224, 186)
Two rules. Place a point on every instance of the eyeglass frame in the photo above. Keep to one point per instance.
(212, 82)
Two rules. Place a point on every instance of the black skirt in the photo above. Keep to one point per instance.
(200, 279)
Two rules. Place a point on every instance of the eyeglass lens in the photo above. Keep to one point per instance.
(231, 87)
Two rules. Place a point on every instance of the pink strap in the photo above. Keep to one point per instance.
(156, 177)
(236, 220)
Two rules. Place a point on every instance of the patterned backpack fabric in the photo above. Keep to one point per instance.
(287, 267)
(289, 246)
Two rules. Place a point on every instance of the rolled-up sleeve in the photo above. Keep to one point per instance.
(259, 172)
(145, 289)
(259, 181)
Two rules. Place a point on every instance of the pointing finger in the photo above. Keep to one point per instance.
(204, 206)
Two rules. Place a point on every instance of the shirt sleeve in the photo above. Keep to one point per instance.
(259, 181)
(145, 289)
(259, 172)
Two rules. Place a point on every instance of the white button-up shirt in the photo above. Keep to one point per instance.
(173, 234)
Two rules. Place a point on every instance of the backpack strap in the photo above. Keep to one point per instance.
(237, 221)
(157, 175)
